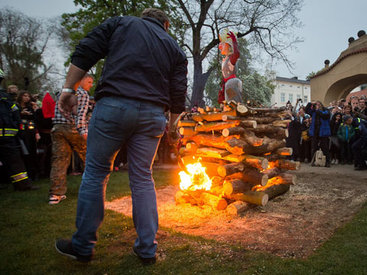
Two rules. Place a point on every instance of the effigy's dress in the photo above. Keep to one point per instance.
(233, 85)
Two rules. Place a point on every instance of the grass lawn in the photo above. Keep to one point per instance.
(29, 227)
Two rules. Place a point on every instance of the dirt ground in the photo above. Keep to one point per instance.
(292, 225)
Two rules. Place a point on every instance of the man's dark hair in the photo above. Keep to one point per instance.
(155, 13)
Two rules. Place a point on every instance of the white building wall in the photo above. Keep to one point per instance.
(288, 90)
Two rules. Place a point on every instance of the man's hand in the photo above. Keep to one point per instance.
(68, 104)
(173, 138)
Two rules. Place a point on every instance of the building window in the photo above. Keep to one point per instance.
(305, 98)
(299, 87)
(298, 96)
(290, 98)
(282, 97)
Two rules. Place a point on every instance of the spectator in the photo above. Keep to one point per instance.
(335, 122)
(362, 106)
(13, 91)
(354, 100)
(68, 134)
(305, 150)
(345, 135)
(319, 129)
(43, 120)
(359, 147)
(347, 110)
(28, 132)
(10, 154)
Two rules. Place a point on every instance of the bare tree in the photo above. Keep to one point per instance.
(23, 42)
(267, 24)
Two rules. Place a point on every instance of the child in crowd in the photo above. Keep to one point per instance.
(345, 134)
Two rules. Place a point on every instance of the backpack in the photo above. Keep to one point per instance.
(320, 159)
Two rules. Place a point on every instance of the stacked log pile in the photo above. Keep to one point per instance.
(243, 150)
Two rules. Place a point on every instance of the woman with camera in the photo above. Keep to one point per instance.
(319, 129)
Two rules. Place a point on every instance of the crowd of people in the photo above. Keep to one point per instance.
(339, 131)
(49, 145)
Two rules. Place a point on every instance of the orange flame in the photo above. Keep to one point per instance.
(197, 179)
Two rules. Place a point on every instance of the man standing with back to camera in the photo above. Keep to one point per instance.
(145, 73)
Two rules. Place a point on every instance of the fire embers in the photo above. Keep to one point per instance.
(242, 157)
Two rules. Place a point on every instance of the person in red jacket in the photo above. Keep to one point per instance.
(231, 85)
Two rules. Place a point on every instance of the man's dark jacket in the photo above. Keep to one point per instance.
(142, 61)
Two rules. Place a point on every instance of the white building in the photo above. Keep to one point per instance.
(290, 89)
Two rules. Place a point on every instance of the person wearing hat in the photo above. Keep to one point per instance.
(346, 133)
(10, 150)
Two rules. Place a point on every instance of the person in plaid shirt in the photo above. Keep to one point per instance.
(68, 135)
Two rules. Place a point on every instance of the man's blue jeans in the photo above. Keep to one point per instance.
(118, 120)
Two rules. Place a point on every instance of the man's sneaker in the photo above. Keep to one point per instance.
(145, 261)
(65, 248)
(55, 199)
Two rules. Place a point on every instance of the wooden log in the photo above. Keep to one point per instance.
(201, 110)
(211, 152)
(186, 123)
(215, 202)
(211, 168)
(187, 131)
(217, 190)
(240, 146)
(284, 151)
(229, 169)
(276, 190)
(191, 147)
(282, 178)
(286, 164)
(227, 117)
(249, 124)
(265, 129)
(237, 207)
(251, 175)
(281, 123)
(216, 126)
(233, 186)
(277, 115)
(233, 131)
(208, 109)
(253, 197)
(271, 145)
(247, 135)
(272, 172)
(249, 160)
(211, 140)
(242, 110)
(262, 120)
(213, 116)
(267, 110)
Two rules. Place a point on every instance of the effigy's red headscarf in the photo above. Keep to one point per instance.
(48, 106)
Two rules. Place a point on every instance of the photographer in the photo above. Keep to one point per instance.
(319, 129)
